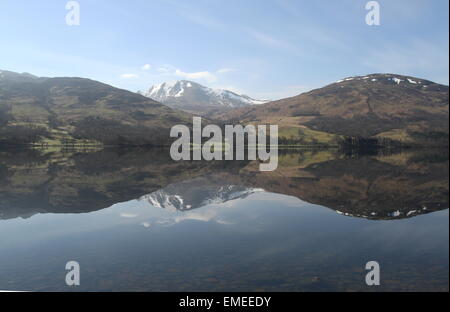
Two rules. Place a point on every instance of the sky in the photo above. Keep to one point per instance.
(267, 49)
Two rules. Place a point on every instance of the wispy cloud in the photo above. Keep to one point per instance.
(268, 40)
(147, 67)
(203, 20)
(225, 70)
(166, 69)
(203, 75)
(215, 24)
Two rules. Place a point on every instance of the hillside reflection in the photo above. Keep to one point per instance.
(379, 186)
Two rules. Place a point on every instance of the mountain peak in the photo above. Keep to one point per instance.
(9, 75)
(193, 97)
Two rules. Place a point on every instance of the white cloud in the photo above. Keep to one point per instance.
(146, 67)
(204, 75)
(129, 76)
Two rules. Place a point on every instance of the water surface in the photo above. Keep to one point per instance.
(137, 221)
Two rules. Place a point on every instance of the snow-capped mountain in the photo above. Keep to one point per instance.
(195, 98)
(196, 193)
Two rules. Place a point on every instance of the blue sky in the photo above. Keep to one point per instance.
(264, 48)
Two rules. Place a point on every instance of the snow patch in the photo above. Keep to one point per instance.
(346, 79)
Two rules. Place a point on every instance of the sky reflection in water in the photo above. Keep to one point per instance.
(237, 239)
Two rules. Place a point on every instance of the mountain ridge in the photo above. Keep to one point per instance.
(400, 108)
(80, 111)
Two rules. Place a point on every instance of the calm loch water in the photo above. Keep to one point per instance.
(137, 221)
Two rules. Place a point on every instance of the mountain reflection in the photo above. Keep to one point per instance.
(379, 186)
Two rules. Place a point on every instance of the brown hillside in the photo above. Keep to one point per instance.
(379, 105)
